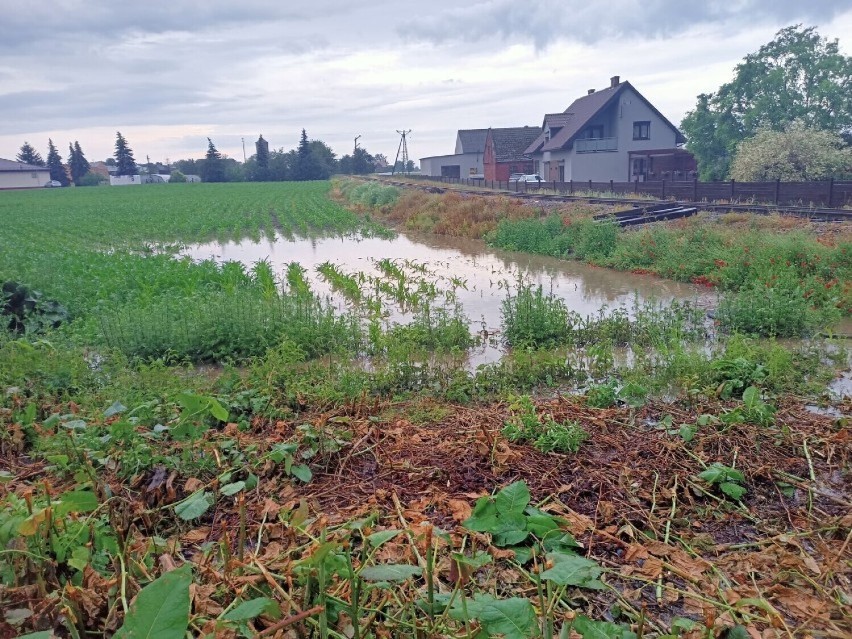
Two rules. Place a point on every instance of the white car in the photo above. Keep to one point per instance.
(530, 178)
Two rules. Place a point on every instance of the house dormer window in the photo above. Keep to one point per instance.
(546, 134)
(642, 130)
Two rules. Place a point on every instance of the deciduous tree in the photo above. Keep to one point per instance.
(797, 76)
(797, 153)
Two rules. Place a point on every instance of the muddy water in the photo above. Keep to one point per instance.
(480, 277)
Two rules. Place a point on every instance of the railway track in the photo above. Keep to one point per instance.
(812, 214)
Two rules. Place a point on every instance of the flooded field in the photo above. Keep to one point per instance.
(451, 273)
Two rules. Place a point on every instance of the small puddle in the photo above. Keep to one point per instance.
(469, 273)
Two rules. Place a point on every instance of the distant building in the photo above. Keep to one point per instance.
(193, 178)
(466, 162)
(17, 175)
(504, 152)
(125, 180)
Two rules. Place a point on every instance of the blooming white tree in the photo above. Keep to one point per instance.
(796, 154)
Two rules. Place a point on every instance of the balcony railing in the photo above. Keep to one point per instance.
(596, 144)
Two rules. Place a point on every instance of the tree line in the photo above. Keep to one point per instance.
(786, 114)
(310, 160)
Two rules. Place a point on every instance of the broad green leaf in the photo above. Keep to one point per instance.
(512, 499)
(250, 609)
(510, 618)
(713, 474)
(77, 501)
(736, 632)
(484, 516)
(232, 489)
(302, 472)
(390, 572)
(510, 537)
(383, 536)
(591, 629)
(477, 560)
(116, 408)
(751, 398)
(79, 558)
(194, 506)
(732, 490)
(161, 609)
(44, 634)
(573, 570)
(540, 523)
(218, 411)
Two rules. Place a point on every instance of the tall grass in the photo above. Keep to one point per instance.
(532, 318)
(216, 327)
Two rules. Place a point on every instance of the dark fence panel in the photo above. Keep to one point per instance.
(825, 193)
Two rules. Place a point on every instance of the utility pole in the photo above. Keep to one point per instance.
(244, 150)
(356, 145)
(403, 149)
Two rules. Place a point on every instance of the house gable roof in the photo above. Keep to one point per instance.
(13, 165)
(554, 122)
(472, 140)
(510, 144)
(584, 109)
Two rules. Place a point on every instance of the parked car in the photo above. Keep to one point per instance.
(515, 177)
(533, 177)
(53, 183)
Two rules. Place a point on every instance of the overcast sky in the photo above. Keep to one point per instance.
(169, 74)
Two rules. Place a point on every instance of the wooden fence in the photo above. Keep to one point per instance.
(827, 193)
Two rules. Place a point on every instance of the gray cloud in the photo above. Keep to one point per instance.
(546, 21)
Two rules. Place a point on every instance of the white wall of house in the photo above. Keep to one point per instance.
(468, 163)
(616, 124)
(601, 166)
(125, 180)
(24, 179)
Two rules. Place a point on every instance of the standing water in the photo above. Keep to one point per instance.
(464, 273)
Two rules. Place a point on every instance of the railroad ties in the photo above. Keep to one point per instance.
(647, 214)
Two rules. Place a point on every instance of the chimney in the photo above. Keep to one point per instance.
(613, 81)
(591, 91)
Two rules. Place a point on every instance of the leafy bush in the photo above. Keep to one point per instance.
(533, 319)
(774, 308)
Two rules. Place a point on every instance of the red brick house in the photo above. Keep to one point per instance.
(504, 151)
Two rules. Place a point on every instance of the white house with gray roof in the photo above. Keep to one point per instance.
(610, 134)
(17, 175)
(466, 162)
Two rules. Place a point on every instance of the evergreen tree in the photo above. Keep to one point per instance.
(213, 169)
(54, 163)
(28, 155)
(307, 167)
(262, 147)
(77, 162)
(124, 159)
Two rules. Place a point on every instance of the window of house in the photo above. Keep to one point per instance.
(641, 130)
(595, 132)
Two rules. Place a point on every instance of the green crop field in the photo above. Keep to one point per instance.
(307, 465)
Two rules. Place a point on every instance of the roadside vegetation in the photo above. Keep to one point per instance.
(780, 277)
(215, 450)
